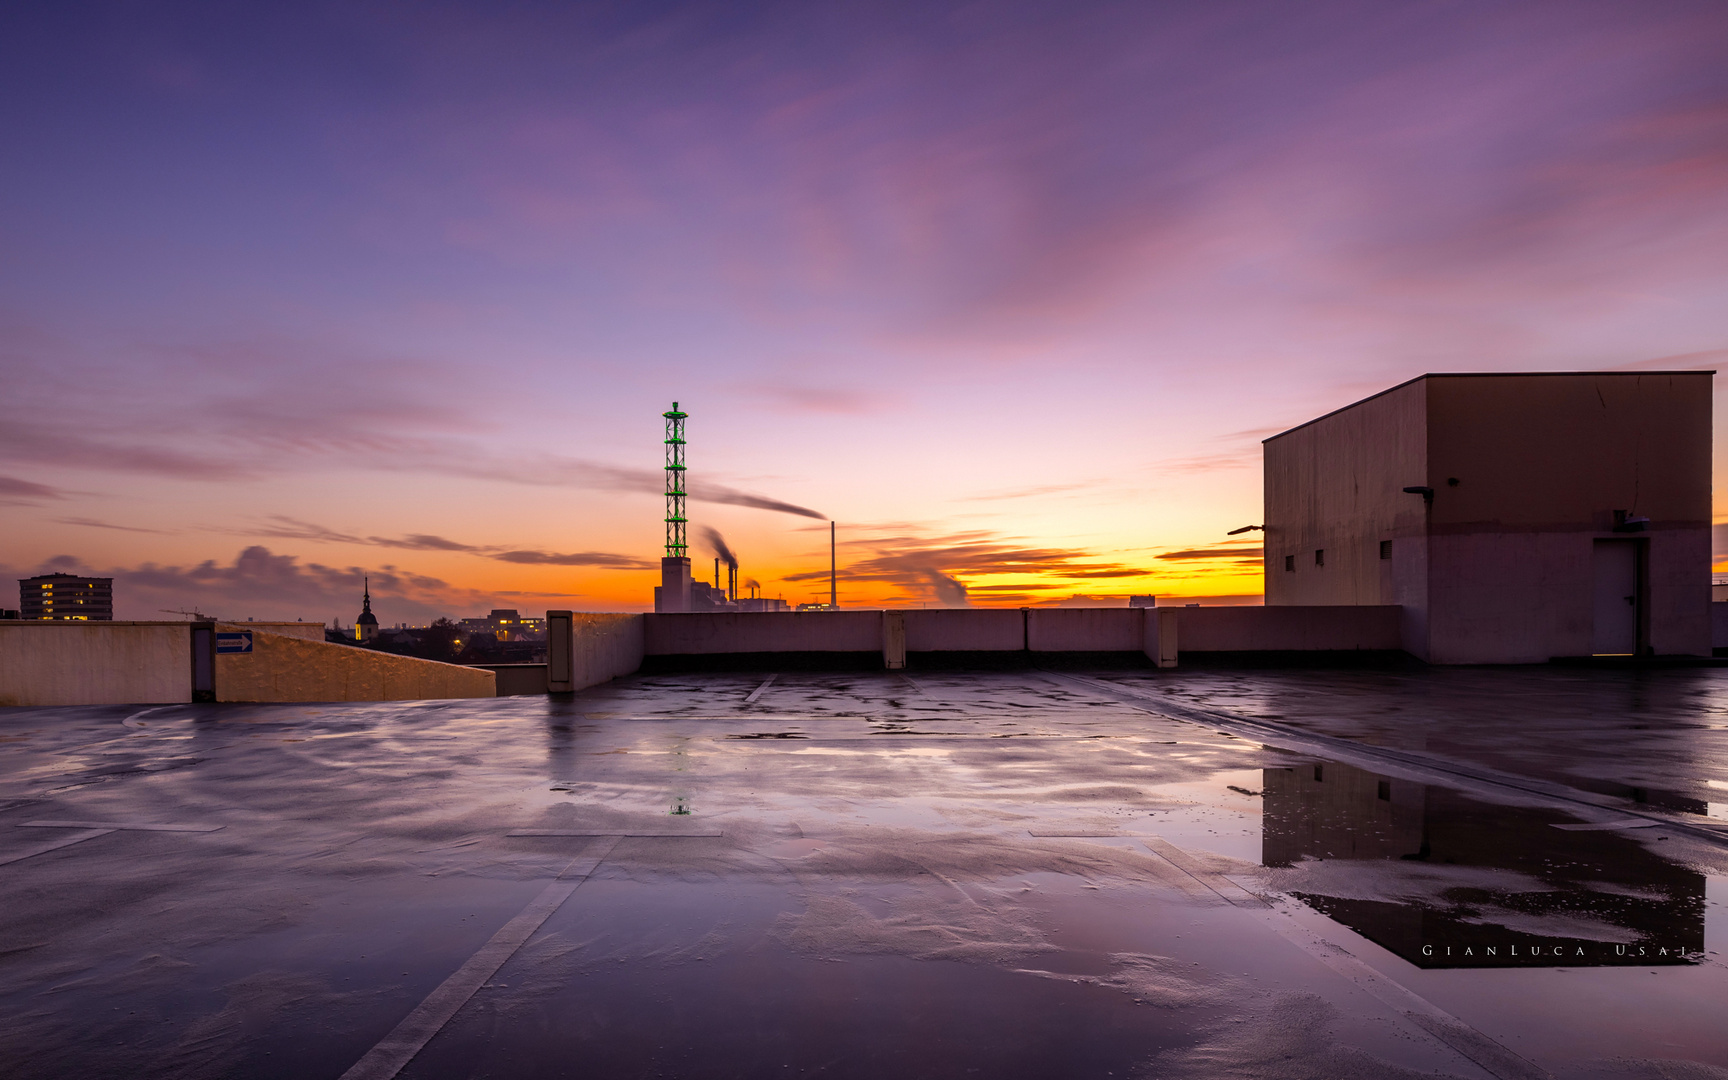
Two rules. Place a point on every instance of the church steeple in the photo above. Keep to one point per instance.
(366, 626)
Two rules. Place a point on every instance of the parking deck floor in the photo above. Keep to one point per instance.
(1198, 873)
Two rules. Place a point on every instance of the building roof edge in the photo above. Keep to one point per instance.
(1476, 375)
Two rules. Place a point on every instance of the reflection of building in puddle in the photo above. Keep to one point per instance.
(1447, 881)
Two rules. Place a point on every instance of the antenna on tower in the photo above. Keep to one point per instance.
(675, 519)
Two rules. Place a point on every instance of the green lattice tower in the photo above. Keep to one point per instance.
(675, 519)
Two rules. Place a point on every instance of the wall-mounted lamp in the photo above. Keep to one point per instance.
(1427, 493)
(1625, 522)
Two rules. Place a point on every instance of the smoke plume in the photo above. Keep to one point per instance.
(949, 592)
(718, 543)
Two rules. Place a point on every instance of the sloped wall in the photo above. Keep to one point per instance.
(281, 668)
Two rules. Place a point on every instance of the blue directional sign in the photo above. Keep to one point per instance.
(231, 643)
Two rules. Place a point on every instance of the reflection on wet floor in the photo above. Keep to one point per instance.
(943, 875)
(1444, 880)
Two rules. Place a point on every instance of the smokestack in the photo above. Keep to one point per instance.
(716, 573)
(833, 578)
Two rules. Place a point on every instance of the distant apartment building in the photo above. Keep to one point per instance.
(1514, 518)
(506, 624)
(66, 596)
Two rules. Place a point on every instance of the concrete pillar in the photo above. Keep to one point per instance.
(560, 653)
(1161, 636)
(1166, 636)
(893, 640)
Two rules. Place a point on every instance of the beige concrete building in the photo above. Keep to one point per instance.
(1513, 518)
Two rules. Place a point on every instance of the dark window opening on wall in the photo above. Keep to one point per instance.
(1319, 556)
(1319, 772)
(1385, 549)
(1385, 792)
(1289, 562)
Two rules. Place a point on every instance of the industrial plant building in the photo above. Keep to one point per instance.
(1512, 518)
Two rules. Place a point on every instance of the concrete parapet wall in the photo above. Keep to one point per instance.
(514, 680)
(1289, 628)
(281, 668)
(771, 632)
(585, 649)
(95, 663)
(965, 630)
(1087, 629)
(1036, 630)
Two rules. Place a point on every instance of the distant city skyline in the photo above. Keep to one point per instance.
(293, 297)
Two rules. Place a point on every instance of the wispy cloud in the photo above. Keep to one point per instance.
(14, 490)
(580, 558)
(302, 414)
(92, 523)
(939, 567)
(806, 397)
(1030, 492)
(260, 583)
(1206, 463)
(1243, 554)
(288, 528)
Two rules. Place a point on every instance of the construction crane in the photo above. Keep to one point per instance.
(195, 615)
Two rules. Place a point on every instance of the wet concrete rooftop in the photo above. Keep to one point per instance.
(1224, 873)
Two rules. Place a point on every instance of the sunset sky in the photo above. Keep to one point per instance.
(293, 293)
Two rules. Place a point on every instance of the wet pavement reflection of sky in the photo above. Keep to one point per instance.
(944, 874)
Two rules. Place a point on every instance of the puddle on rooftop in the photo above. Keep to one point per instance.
(1446, 881)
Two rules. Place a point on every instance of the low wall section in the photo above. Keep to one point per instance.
(1292, 628)
(1159, 633)
(584, 649)
(63, 663)
(964, 630)
(95, 663)
(699, 633)
(280, 668)
(1091, 630)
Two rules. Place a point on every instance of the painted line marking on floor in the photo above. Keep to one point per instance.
(123, 826)
(409, 1037)
(1604, 826)
(756, 693)
(1484, 1051)
(1218, 883)
(55, 845)
(567, 832)
(1093, 834)
(1442, 1025)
